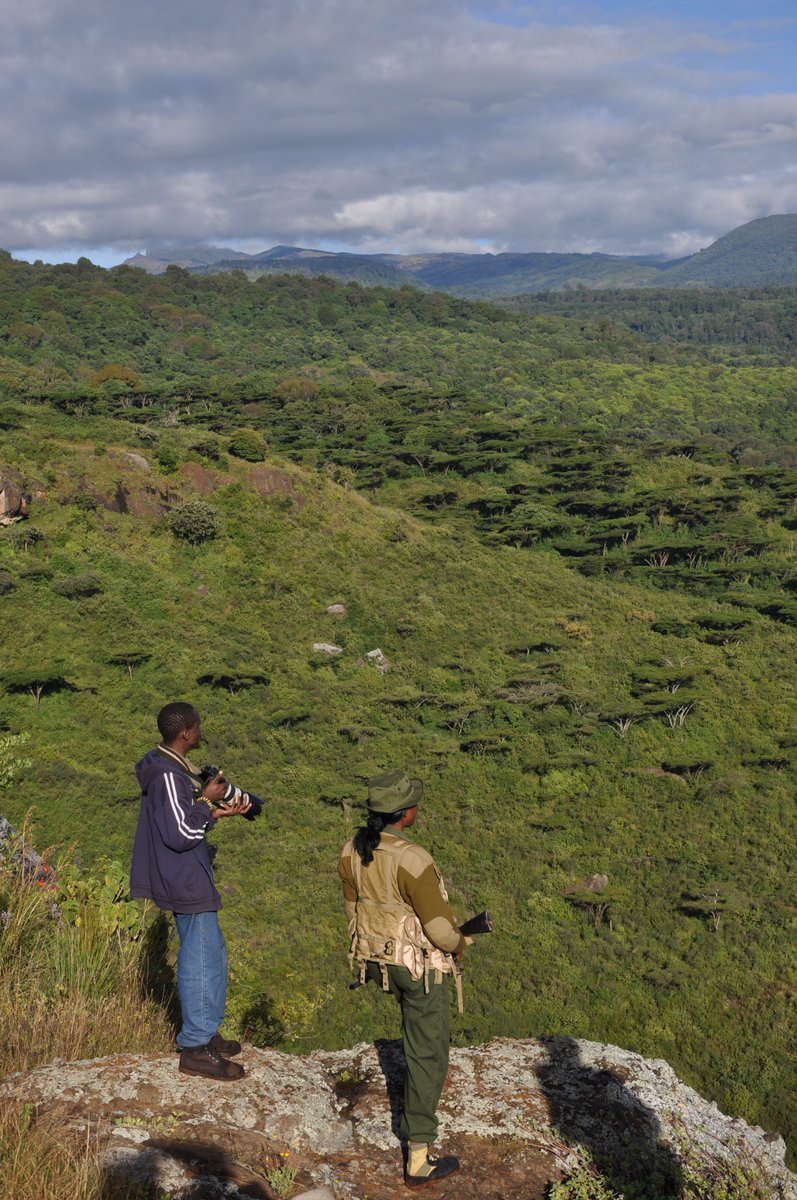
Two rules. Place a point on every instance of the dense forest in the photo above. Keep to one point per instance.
(752, 325)
(571, 539)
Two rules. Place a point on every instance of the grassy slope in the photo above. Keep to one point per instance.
(546, 801)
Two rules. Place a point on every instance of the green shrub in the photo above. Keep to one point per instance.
(168, 456)
(86, 501)
(23, 536)
(36, 572)
(207, 447)
(671, 627)
(195, 521)
(78, 938)
(77, 587)
(248, 444)
(583, 1184)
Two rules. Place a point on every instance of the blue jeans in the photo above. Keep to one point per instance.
(201, 976)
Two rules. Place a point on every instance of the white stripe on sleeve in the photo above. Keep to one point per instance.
(193, 835)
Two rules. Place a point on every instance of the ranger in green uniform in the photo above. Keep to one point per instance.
(405, 936)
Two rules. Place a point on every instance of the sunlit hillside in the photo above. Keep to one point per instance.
(587, 615)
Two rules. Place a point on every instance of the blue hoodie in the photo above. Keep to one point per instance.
(171, 859)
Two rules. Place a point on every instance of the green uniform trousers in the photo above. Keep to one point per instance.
(425, 1025)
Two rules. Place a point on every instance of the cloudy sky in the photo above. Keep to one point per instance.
(393, 125)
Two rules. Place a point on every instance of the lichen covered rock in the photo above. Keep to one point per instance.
(520, 1115)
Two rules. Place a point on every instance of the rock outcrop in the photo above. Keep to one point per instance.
(520, 1114)
(13, 501)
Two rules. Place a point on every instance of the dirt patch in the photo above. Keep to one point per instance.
(147, 501)
(268, 481)
(490, 1169)
(203, 480)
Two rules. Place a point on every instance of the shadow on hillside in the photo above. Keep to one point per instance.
(260, 1025)
(150, 1172)
(593, 1107)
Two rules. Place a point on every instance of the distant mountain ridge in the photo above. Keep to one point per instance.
(758, 253)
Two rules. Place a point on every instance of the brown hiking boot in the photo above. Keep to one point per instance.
(204, 1060)
(226, 1046)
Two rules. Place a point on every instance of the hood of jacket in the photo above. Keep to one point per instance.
(151, 766)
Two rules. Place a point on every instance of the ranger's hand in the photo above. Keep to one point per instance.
(468, 942)
(457, 957)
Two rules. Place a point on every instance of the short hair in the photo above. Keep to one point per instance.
(175, 718)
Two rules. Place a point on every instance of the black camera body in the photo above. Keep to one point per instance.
(232, 793)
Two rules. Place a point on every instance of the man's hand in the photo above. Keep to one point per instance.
(234, 808)
(214, 791)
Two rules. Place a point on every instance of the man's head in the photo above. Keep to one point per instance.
(179, 722)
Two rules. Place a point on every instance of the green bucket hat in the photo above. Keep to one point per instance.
(391, 792)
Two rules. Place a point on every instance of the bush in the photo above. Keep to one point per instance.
(86, 501)
(207, 447)
(195, 522)
(168, 456)
(36, 572)
(248, 444)
(23, 536)
(670, 627)
(7, 583)
(77, 587)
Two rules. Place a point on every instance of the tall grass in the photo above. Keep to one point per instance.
(75, 983)
(40, 1162)
(72, 982)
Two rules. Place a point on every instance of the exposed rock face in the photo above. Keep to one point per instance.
(516, 1112)
(13, 501)
(269, 481)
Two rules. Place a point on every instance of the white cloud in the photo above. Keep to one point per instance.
(394, 127)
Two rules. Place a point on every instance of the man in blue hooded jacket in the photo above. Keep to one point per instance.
(172, 866)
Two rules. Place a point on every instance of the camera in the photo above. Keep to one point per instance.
(232, 793)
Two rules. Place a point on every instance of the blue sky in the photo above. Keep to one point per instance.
(365, 125)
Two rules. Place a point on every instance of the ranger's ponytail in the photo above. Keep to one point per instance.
(368, 836)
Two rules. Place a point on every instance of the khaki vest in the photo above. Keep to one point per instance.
(385, 928)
